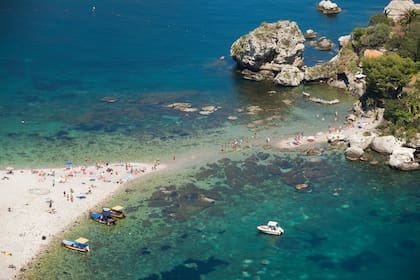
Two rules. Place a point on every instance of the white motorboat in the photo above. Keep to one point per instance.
(271, 228)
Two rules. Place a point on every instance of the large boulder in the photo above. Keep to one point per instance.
(328, 7)
(361, 140)
(310, 34)
(385, 144)
(323, 44)
(289, 76)
(354, 153)
(269, 47)
(403, 159)
(396, 9)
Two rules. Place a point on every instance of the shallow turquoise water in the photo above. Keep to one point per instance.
(354, 221)
(58, 60)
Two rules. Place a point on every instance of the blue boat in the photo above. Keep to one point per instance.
(80, 244)
(104, 217)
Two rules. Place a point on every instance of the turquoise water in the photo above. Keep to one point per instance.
(59, 60)
(354, 221)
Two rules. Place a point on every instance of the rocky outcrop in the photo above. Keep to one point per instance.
(270, 50)
(323, 44)
(328, 7)
(354, 153)
(396, 9)
(310, 34)
(385, 144)
(361, 141)
(344, 40)
(403, 159)
(274, 52)
(289, 76)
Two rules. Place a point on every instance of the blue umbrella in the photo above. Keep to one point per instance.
(69, 163)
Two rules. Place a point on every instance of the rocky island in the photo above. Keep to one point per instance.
(273, 51)
(328, 7)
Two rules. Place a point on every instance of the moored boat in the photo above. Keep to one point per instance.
(117, 212)
(80, 244)
(104, 217)
(271, 227)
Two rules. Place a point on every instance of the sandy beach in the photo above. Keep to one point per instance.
(38, 204)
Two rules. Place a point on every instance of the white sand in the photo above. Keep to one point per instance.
(28, 192)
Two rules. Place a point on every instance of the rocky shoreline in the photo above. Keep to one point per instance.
(274, 52)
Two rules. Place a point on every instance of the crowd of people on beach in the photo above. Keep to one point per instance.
(100, 171)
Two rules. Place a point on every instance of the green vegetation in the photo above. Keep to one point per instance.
(387, 75)
(379, 18)
(348, 60)
(393, 80)
(405, 111)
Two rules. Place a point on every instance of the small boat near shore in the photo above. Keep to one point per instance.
(80, 244)
(117, 212)
(272, 228)
(104, 217)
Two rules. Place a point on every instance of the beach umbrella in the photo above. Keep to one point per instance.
(69, 163)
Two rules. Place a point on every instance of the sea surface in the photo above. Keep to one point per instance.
(62, 62)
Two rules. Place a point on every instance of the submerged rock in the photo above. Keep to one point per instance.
(300, 187)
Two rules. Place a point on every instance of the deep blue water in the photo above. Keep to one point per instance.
(58, 59)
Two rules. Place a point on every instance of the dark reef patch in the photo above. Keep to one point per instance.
(191, 269)
(359, 261)
(322, 261)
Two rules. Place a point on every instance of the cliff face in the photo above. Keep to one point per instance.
(271, 51)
